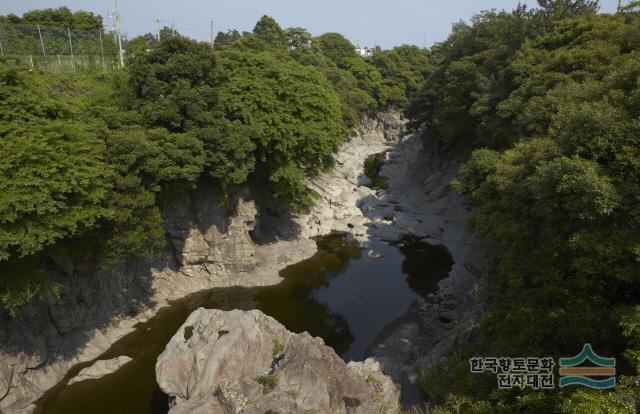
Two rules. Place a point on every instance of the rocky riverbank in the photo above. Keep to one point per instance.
(208, 246)
(421, 203)
(242, 245)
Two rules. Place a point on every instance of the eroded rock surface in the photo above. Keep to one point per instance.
(343, 189)
(101, 368)
(245, 361)
(420, 202)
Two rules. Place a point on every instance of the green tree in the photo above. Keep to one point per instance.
(302, 127)
(226, 38)
(337, 48)
(402, 70)
(298, 39)
(458, 101)
(62, 17)
(542, 107)
(55, 181)
(554, 10)
(268, 30)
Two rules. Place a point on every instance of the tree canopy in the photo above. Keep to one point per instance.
(90, 158)
(541, 107)
(60, 17)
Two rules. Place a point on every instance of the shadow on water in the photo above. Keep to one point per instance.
(424, 265)
(344, 294)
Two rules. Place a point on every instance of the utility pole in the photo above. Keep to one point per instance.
(44, 52)
(1, 49)
(158, 30)
(115, 24)
(73, 61)
(101, 47)
(211, 34)
(619, 5)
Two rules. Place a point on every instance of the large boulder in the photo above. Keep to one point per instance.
(247, 362)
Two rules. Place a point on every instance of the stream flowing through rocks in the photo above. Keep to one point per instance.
(393, 277)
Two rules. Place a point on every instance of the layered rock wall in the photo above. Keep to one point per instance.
(208, 246)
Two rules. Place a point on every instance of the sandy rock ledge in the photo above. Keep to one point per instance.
(100, 369)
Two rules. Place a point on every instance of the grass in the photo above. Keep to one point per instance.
(268, 382)
(278, 347)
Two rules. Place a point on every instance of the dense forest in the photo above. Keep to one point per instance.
(88, 159)
(542, 109)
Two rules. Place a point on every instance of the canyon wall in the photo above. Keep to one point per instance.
(209, 244)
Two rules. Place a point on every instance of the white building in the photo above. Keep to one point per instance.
(364, 52)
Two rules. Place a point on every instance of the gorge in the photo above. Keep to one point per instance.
(275, 221)
(230, 255)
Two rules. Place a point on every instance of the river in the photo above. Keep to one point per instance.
(345, 294)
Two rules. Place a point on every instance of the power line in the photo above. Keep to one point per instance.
(148, 19)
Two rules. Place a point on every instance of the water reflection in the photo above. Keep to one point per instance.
(425, 265)
(294, 303)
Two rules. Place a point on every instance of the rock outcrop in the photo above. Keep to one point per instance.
(101, 368)
(245, 361)
(343, 188)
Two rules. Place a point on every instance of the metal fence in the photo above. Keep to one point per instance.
(56, 49)
(66, 63)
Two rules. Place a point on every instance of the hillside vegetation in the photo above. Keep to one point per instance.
(542, 107)
(88, 160)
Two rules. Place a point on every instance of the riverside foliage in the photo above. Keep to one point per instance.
(543, 108)
(87, 160)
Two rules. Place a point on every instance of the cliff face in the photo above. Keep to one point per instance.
(208, 246)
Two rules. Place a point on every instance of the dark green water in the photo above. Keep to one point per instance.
(341, 294)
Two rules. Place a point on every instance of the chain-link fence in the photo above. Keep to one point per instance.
(56, 49)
